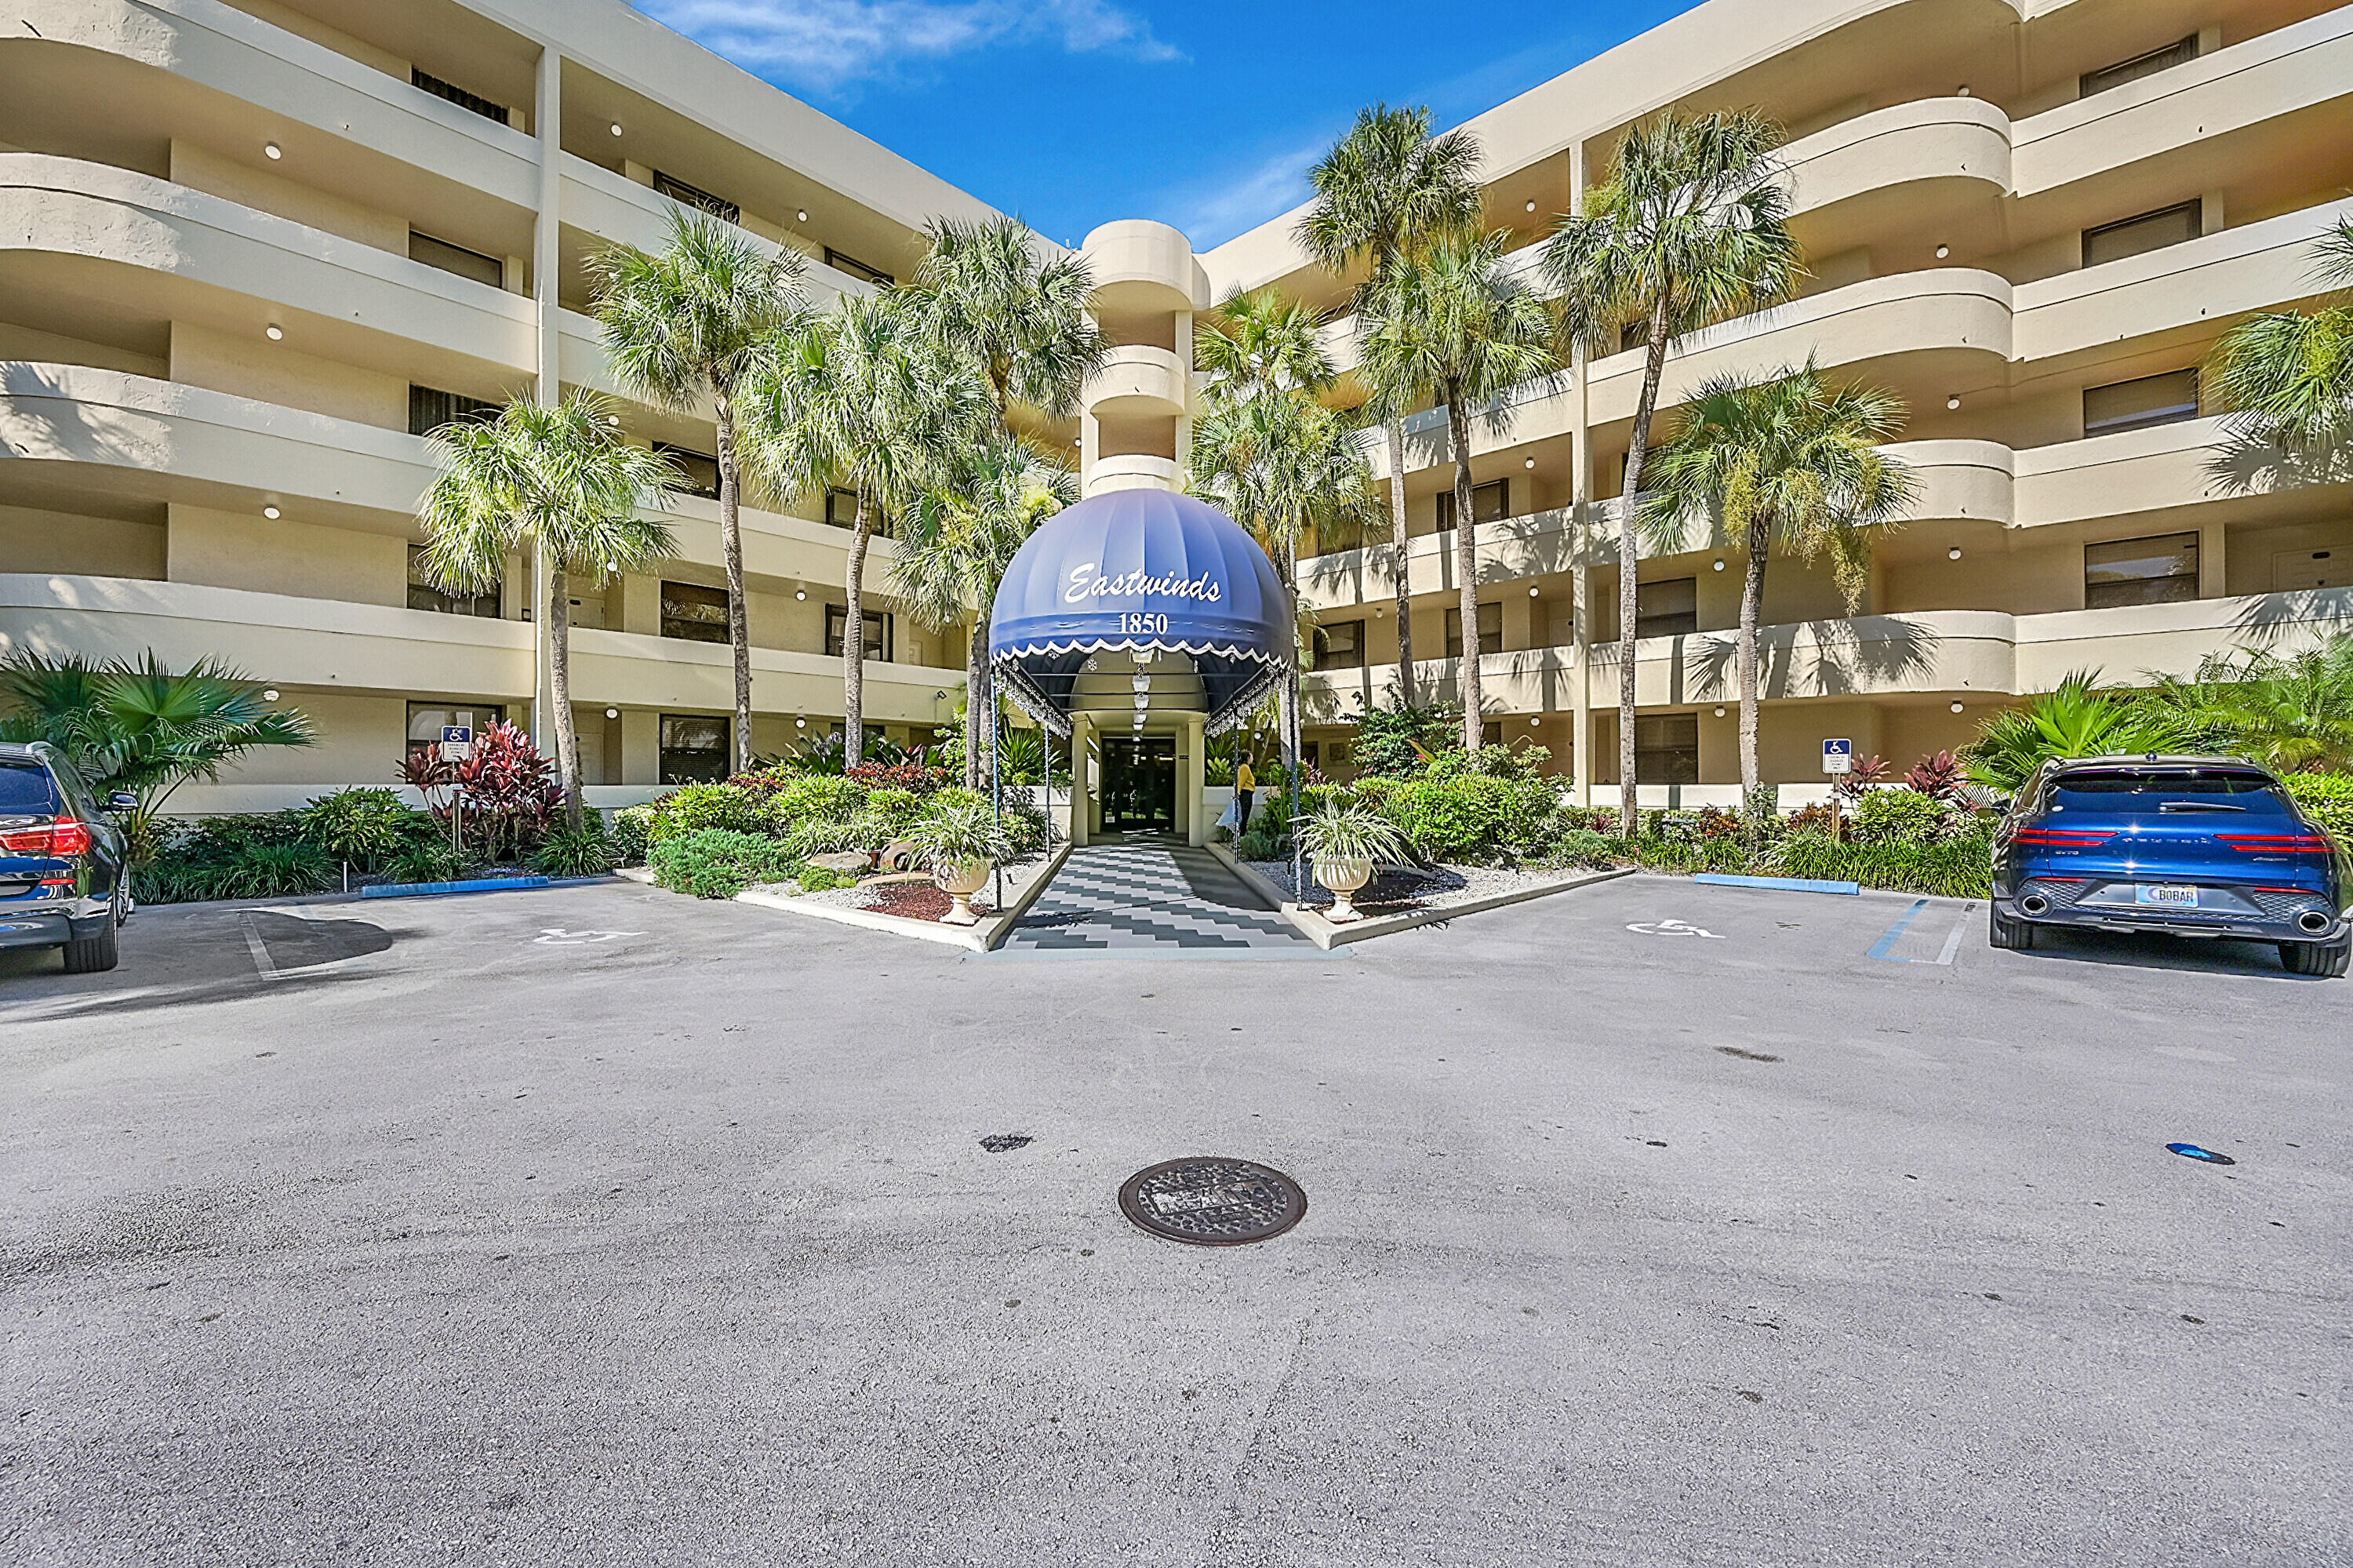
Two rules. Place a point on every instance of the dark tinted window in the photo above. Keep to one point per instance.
(678, 190)
(456, 258)
(25, 790)
(693, 612)
(2139, 66)
(429, 409)
(2137, 236)
(2191, 789)
(698, 471)
(459, 95)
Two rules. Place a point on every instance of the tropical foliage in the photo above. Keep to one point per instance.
(1690, 228)
(138, 727)
(2289, 375)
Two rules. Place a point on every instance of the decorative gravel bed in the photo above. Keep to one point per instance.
(920, 899)
(1398, 890)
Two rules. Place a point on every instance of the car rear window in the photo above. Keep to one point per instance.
(2183, 789)
(25, 790)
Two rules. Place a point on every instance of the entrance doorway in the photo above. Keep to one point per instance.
(1139, 783)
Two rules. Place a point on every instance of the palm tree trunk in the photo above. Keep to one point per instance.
(1629, 565)
(731, 548)
(853, 645)
(1286, 570)
(559, 687)
(974, 652)
(980, 703)
(1404, 569)
(1752, 606)
(1466, 571)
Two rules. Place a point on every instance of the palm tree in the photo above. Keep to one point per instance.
(858, 399)
(2081, 718)
(1385, 189)
(1690, 228)
(1261, 341)
(564, 477)
(991, 295)
(1793, 463)
(958, 539)
(2293, 713)
(2289, 376)
(138, 727)
(1280, 464)
(1453, 318)
(685, 325)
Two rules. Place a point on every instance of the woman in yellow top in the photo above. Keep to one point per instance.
(1245, 785)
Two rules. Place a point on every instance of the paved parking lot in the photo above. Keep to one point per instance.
(1649, 1224)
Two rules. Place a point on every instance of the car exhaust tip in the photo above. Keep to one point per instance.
(2034, 904)
(2312, 921)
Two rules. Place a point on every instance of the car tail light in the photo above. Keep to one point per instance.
(2063, 838)
(2276, 843)
(63, 837)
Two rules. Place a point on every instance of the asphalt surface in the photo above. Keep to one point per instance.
(597, 1226)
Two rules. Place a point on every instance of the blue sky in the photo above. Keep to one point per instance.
(1206, 115)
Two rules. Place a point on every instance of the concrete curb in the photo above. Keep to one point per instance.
(1327, 936)
(978, 938)
(1778, 883)
(477, 884)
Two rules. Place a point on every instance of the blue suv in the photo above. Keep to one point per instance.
(2191, 846)
(62, 882)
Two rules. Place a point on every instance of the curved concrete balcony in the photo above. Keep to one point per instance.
(2202, 109)
(1904, 148)
(1136, 381)
(165, 250)
(601, 209)
(2194, 285)
(317, 103)
(1132, 470)
(1523, 681)
(1140, 264)
(73, 429)
(387, 649)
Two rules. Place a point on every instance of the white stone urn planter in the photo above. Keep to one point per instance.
(960, 880)
(1343, 876)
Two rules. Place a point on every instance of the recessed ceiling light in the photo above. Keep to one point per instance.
(1964, 89)
(270, 695)
(274, 332)
(804, 214)
(1943, 251)
(800, 723)
(616, 127)
(1530, 463)
(1534, 720)
(1953, 554)
(800, 593)
(270, 512)
(1956, 707)
(1719, 710)
(1532, 207)
(272, 150)
(1954, 401)
(612, 713)
(1716, 566)
(1532, 591)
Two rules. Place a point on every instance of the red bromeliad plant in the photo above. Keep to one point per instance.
(1939, 777)
(912, 774)
(511, 794)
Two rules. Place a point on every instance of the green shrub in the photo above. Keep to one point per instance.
(818, 879)
(632, 832)
(889, 815)
(694, 807)
(364, 826)
(584, 851)
(1451, 812)
(715, 863)
(431, 860)
(2327, 798)
(1954, 868)
(275, 871)
(798, 798)
(1902, 817)
(1026, 825)
(1582, 847)
(1268, 837)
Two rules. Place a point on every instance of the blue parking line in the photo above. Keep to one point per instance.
(1895, 933)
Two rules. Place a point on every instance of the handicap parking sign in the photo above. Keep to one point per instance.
(1838, 756)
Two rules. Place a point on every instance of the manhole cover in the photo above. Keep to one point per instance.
(1212, 1202)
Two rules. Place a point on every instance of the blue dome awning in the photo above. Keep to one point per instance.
(1148, 571)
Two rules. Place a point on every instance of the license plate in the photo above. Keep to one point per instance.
(2167, 892)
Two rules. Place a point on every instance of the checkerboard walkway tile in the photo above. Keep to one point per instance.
(1157, 898)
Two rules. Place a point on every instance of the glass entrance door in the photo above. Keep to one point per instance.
(1139, 783)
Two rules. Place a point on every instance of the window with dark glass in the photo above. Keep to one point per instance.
(678, 190)
(878, 631)
(2165, 399)
(857, 270)
(458, 96)
(1340, 645)
(2139, 66)
(698, 471)
(841, 512)
(1669, 609)
(429, 409)
(425, 721)
(1666, 749)
(2137, 236)
(694, 749)
(694, 613)
(424, 594)
(1490, 630)
(1489, 503)
(456, 258)
(2162, 569)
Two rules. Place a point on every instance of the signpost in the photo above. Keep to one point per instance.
(1838, 760)
(456, 747)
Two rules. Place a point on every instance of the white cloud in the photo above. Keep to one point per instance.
(1213, 210)
(826, 46)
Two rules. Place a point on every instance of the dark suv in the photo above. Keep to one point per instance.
(61, 864)
(2192, 846)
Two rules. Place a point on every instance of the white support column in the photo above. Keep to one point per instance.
(547, 119)
(2213, 562)
(1194, 820)
(1082, 742)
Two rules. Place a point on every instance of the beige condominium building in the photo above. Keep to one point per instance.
(251, 250)
(2029, 217)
